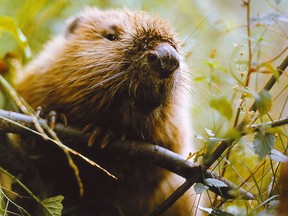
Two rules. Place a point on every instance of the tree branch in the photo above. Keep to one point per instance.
(277, 123)
(280, 69)
(150, 153)
(174, 197)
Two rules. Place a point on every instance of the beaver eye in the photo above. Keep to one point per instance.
(111, 37)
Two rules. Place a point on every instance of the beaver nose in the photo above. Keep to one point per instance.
(164, 59)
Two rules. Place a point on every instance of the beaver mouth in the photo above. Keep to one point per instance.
(149, 97)
(148, 103)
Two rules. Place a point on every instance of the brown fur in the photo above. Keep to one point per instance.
(110, 85)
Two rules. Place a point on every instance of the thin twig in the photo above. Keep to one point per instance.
(273, 59)
(247, 80)
(280, 69)
(247, 3)
(246, 83)
(174, 197)
(276, 123)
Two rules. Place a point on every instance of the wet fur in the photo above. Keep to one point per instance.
(110, 85)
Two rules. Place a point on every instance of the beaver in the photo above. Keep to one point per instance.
(121, 71)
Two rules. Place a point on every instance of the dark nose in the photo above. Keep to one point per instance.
(164, 59)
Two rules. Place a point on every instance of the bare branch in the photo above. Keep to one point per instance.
(174, 197)
(276, 123)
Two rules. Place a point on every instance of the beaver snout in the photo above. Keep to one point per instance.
(164, 59)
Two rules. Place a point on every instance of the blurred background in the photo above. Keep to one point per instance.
(214, 36)
(213, 33)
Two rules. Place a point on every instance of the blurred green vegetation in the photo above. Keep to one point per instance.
(214, 33)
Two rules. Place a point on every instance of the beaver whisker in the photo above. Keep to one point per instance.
(196, 88)
(99, 70)
(131, 84)
(220, 88)
(104, 81)
(117, 87)
(134, 88)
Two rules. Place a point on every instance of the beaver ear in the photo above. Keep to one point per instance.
(72, 26)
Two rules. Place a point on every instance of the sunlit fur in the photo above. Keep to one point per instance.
(110, 84)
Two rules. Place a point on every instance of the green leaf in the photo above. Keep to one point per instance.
(278, 156)
(2, 100)
(212, 64)
(274, 204)
(263, 102)
(214, 211)
(218, 212)
(278, 1)
(209, 132)
(215, 182)
(273, 70)
(53, 206)
(198, 136)
(199, 188)
(9, 25)
(223, 106)
(200, 79)
(211, 143)
(268, 19)
(263, 143)
(206, 210)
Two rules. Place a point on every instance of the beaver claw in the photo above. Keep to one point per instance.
(52, 119)
(39, 112)
(102, 138)
(95, 134)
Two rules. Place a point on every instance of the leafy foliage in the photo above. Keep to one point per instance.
(53, 206)
(263, 143)
(215, 182)
(8, 24)
(278, 156)
(215, 212)
(263, 101)
(200, 188)
(218, 212)
(223, 106)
